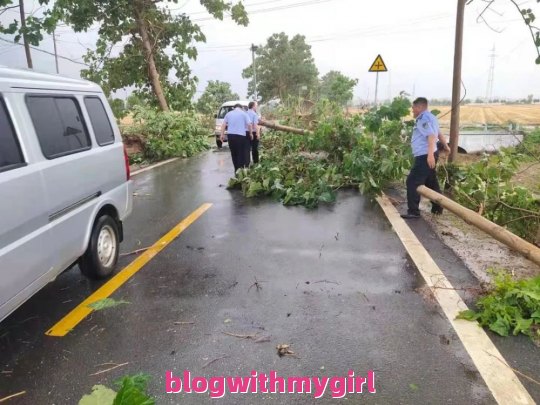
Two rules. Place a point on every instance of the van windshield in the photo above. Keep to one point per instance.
(224, 110)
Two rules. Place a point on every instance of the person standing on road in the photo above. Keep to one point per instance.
(236, 122)
(255, 130)
(424, 148)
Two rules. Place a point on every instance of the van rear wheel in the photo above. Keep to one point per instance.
(101, 256)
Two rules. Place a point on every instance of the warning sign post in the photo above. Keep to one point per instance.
(378, 66)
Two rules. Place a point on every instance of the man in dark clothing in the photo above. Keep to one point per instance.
(236, 122)
(424, 145)
(255, 130)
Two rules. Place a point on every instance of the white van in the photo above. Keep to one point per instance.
(223, 110)
(64, 182)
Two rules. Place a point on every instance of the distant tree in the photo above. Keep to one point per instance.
(284, 68)
(215, 94)
(134, 100)
(118, 106)
(337, 87)
(530, 98)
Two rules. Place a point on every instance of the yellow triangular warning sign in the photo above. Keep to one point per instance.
(378, 65)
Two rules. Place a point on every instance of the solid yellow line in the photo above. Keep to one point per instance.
(66, 324)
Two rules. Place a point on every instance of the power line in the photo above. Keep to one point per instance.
(277, 8)
(245, 4)
(412, 26)
(47, 52)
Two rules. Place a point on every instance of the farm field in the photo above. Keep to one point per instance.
(495, 114)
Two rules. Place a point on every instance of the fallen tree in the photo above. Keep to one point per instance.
(514, 242)
(370, 152)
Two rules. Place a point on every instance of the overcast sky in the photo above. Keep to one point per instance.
(415, 39)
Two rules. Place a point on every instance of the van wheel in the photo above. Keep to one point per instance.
(219, 143)
(100, 258)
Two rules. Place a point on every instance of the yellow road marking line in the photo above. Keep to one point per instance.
(66, 324)
(502, 381)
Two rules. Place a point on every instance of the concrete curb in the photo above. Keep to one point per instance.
(135, 173)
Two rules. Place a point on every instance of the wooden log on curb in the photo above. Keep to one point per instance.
(283, 128)
(514, 242)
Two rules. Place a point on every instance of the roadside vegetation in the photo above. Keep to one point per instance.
(511, 307)
(164, 135)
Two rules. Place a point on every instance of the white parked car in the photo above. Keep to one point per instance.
(64, 182)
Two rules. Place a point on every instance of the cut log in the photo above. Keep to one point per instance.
(503, 235)
(283, 128)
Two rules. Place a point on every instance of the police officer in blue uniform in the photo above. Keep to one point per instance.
(255, 130)
(424, 147)
(237, 122)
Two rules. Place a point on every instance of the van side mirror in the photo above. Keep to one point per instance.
(215, 115)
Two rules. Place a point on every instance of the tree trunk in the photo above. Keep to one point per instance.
(514, 242)
(25, 40)
(283, 128)
(153, 74)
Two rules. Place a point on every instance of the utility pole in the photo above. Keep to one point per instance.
(55, 52)
(253, 50)
(25, 39)
(456, 89)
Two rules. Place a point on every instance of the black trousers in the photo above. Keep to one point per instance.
(240, 148)
(421, 174)
(255, 148)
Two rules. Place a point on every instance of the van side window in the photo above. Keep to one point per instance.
(58, 124)
(100, 121)
(10, 152)
(224, 110)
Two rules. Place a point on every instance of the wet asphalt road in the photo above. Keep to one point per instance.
(335, 284)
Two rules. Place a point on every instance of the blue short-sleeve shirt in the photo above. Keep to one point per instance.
(237, 122)
(426, 125)
(253, 118)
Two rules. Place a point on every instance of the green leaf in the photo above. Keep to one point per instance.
(523, 326)
(106, 303)
(327, 197)
(535, 295)
(413, 387)
(501, 327)
(133, 391)
(100, 395)
(254, 189)
(468, 315)
(239, 14)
